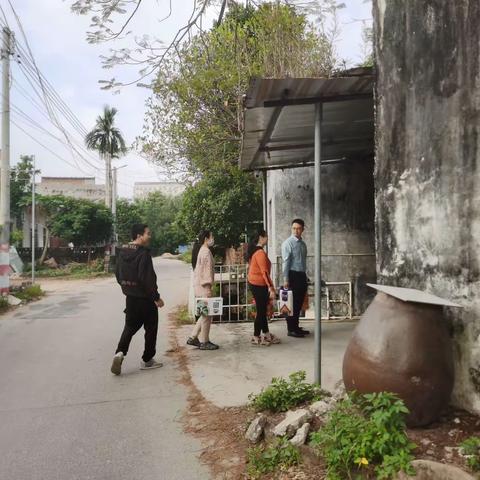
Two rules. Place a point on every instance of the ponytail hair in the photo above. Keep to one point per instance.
(199, 241)
(253, 244)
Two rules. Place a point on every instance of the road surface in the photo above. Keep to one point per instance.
(64, 416)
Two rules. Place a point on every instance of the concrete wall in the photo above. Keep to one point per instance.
(428, 163)
(84, 188)
(169, 189)
(347, 220)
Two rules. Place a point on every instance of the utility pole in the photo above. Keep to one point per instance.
(33, 221)
(114, 202)
(6, 51)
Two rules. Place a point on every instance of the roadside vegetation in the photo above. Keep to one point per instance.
(280, 454)
(470, 448)
(347, 437)
(281, 394)
(182, 316)
(77, 271)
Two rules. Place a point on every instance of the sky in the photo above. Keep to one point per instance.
(57, 38)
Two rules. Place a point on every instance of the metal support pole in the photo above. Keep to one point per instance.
(318, 245)
(265, 204)
(33, 221)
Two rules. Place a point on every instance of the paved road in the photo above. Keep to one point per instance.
(64, 416)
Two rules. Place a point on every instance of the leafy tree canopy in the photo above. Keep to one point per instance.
(195, 117)
(225, 202)
(81, 222)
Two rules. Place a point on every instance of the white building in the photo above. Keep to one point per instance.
(77, 187)
(169, 189)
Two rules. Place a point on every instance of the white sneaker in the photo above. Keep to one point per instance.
(117, 363)
(151, 364)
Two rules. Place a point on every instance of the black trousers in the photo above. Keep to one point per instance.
(297, 282)
(260, 294)
(140, 312)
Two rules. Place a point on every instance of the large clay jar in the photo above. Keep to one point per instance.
(405, 348)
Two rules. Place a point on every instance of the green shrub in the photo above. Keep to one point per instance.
(183, 316)
(471, 448)
(3, 304)
(186, 257)
(30, 293)
(281, 454)
(282, 394)
(366, 431)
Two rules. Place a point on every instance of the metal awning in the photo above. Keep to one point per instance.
(295, 122)
(280, 120)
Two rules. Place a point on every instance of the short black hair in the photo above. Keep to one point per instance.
(138, 229)
(299, 221)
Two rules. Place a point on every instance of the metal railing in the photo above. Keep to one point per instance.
(231, 284)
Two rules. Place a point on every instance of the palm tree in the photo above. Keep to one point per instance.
(109, 142)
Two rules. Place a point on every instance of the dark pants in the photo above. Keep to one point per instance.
(297, 282)
(260, 294)
(138, 312)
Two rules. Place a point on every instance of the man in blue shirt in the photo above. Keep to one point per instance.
(294, 256)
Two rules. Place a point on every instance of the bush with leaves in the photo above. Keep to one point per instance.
(282, 394)
(365, 432)
(471, 449)
(281, 454)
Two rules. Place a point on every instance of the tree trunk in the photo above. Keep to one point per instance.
(45, 247)
(108, 180)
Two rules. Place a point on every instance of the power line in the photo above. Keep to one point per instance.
(49, 150)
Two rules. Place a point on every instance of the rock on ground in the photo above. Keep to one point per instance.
(428, 470)
(301, 435)
(292, 422)
(321, 407)
(255, 430)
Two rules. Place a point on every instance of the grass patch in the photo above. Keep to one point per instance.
(279, 455)
(27, 294)
(471, 449)
(186, 257)
(3, 304)
(365, 433)
(281, 394)
(73, 270)
(183, 317)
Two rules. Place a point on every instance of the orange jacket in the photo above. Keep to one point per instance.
(259, 269)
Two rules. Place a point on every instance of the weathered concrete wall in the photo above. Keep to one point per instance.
(427, 175)
(347, 220)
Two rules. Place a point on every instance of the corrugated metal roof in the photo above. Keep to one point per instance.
(279, 120)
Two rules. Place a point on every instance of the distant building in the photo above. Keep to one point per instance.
(76, 187)
(169, 189)
(83, 188)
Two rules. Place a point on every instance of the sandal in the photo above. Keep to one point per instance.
(272, 339)
(259, 341)
(208, 346)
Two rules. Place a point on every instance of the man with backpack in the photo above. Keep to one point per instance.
(138, 280)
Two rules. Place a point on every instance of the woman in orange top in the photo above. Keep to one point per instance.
(261, 286)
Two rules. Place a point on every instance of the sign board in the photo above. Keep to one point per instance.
(209, 306)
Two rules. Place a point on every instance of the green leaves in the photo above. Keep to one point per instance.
(281, 454)
(282, 394)
(194, 120)
(159, 213)
(75, 220)
(365, 431)
(471, 448)
(225, 202)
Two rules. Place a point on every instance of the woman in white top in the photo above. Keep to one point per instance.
(203, 277)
